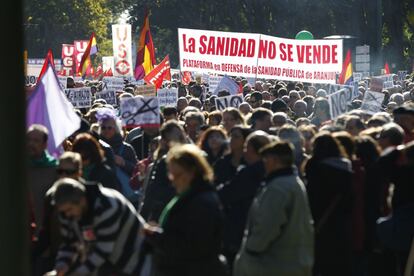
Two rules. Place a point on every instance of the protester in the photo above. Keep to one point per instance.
(110, 132)
(226, 167)
(42, 168)
(214, 143)
(232, 117)
(279, 231)
(93, 166)
(193, 123)
(261, 119)
(94, 240)
(238, 193)
(328, 173)
(159, 189)
(191, 223)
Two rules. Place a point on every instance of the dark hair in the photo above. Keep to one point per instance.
(257, 96)
(259, 114)
(282, 150)
(67, 190)
(88, 147)
(367, 150)
(169, 110)
(203, 142)
(245, 131)
(217, 115)
(326, 146)
(282, 92)
(257, 140)
(279, 105)
(347, 141)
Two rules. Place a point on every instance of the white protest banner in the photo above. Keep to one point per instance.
(351, 92)
(227, 84)
(115, 83)
(402, 75)
(140, 111)
(145, 90)
(260, 56)
(338, 102)
(79, 49)
(108, 64)
(68, 51)
(63, 81)
(132, 80)
(205, 78)
(79, 97)
(31, 80)
(228, 101)
(213, 82)
(108, 95)
(121, 39)
(388, 81)
(167, 96)
(372, 102)
(251, 81)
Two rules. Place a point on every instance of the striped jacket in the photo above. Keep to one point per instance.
(108, 232)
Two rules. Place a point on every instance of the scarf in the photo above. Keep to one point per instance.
(45, 161)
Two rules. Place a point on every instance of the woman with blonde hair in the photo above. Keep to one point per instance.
(187, 240)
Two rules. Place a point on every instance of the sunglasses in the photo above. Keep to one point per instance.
(66, 171)
(107, 127)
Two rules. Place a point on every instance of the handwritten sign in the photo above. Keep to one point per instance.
(167, 97)
(140, 111)
(108, 95)
(145, 90)
(79, 97)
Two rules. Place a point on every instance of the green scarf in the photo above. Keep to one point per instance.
(86, 171)
(167, 210)
(45, 161)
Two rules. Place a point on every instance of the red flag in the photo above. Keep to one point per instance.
(159, 73)
(186, 77)
(108, 73)
(48, 59)
(387, 68)
(240, 87)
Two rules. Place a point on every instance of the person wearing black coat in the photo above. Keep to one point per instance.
(238, 194)
(187, 240)
(93, 161)
(329, 187)
(158, 191)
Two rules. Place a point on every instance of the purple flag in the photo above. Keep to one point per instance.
(49, 106)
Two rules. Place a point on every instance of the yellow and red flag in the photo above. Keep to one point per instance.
(346, 76)
(85, 65)
(145, 56)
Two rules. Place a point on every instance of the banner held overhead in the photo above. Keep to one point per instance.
(260, 56)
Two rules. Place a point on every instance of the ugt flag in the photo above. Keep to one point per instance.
(49, 106)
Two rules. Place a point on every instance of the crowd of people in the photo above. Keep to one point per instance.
(273, 187)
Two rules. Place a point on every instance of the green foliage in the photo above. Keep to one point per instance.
(51, 23)
(363, 19)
